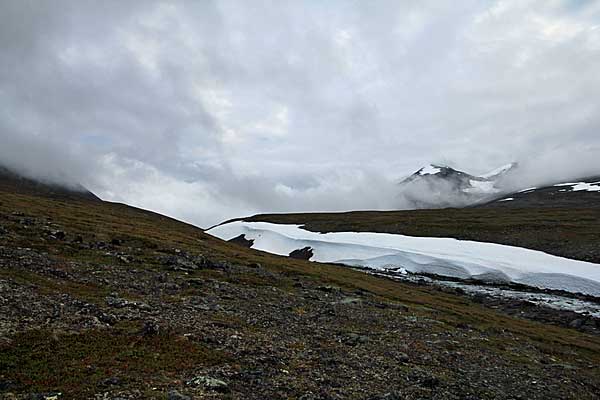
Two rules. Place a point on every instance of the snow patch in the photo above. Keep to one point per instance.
(481, 187)
(442, 256)
(582, 186)
(498, 171)
(430, 170)
(527, 190)
(507, 199)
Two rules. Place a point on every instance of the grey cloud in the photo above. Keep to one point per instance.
(209, 110)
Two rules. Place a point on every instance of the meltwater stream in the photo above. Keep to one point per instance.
(555, 301)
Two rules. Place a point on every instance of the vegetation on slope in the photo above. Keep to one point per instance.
(101, 299)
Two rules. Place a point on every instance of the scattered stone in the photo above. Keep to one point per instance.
(576, 323)
(209, 383)
(58, 235)
(403, 357)
(329, 289)
(112, 381)
(113, 300)
(175, 395)
(349, 301)
(150, 328)
(388, 396)
(196, 281)
(46, 396)
(354, 339)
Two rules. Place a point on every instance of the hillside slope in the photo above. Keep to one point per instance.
(15, 183)
(101, 300)
(581, 193)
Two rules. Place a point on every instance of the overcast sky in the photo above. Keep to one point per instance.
(211, 110)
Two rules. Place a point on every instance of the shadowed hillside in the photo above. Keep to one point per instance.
(13, 182)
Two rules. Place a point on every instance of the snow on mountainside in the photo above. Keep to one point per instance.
(499, 171)
(441, 256)
(437, 186)
(582, 193)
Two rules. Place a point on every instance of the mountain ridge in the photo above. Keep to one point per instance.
(18, 183)
(440, 186)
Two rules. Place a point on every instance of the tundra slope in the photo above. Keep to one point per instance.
(102, 300)
(579, 193)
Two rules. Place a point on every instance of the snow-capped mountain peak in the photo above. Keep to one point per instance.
(435, 186)
(429, 170)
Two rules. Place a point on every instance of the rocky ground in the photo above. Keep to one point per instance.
(581, 321)
(121, 318)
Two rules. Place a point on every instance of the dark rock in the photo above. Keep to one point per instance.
(58, 235)
(424, 379)
(181, 263)
(388, 396)
(175, 395)
(302, 254)
(196, 281)
(354, 339)
(112, 381)
(150, 328)
(242, 241)
(113, 300)
(403, 357)
(255, 265)
(576, 323)
(5, 385)
(329, 289)
(109, 319)
(116, 242)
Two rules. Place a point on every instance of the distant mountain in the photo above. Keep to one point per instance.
(11, 181)
(439, 186)
(579, 193)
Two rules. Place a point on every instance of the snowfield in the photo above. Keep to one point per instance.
(442, 256)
